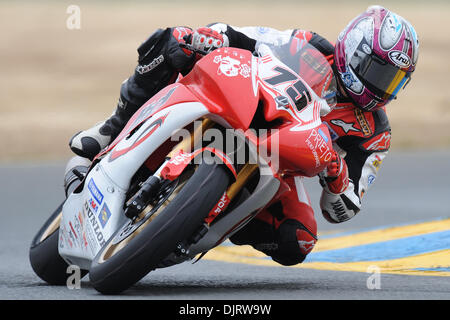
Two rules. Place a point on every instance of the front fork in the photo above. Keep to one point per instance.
(241, 179)
(176, 162)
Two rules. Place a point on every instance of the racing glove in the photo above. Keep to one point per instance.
(207, 39)
(338, 201)
(334, 177)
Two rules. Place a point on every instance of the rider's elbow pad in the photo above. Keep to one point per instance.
(337, 208)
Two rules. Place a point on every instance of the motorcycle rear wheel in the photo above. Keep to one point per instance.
(123, 261)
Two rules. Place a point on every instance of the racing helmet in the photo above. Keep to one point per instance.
(375, 56)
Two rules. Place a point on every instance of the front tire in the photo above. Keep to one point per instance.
(44, 256)
(123, 262)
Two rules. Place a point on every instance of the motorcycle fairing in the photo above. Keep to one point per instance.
(228, 78)
(304, 142)
(222, 81)
(92, 215)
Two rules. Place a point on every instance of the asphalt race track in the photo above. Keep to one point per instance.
(404, 222)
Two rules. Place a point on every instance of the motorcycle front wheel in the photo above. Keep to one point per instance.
(44, 256)
(140, 245)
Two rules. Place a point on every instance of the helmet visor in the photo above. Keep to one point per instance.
(384, 79)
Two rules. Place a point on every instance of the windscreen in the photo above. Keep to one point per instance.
(310, 64)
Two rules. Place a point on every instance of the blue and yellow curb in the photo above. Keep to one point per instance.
(417, 249)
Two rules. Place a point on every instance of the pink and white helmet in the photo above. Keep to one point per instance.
(375, 56)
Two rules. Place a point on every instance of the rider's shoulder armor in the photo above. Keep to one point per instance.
(349, 126)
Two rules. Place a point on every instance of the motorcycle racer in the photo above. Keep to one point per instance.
(373, 58)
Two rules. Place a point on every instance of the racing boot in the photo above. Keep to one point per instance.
(90, 142)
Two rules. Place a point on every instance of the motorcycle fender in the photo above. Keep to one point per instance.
(90, 218)
(122, 162)
(181, 160)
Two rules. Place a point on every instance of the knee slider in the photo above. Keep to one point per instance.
(295, 242)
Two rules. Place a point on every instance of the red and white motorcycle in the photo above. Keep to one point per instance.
(150, 200)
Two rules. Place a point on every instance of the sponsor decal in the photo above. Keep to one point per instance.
(370, 179)
(141, 69)
(90, 241)
(319, 147)
(302, 240)
(339, 210)
(399, 58)
(182, 158)
(63, 237)
(73, 230)
(104, 215)
(380, 142)
(80, 218)
(218, 208)
(307, 246)
(324, 136)
(121, 104)
(344, 125)
(61, 240)
(85, 243)
(333, 133)
(98, 196)
(231, 67)
(144, 135)
(93, 205)
(348, 79)
(377, 162)
(80, 222)
(72, 239)
(391, 30)
(363, 123)
(79, 231)
(352, 82)
(66, 237)
(94, 224)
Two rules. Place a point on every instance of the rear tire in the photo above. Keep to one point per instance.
(121, 264)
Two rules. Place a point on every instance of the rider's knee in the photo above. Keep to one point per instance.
(288, 245)
(295, 242)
